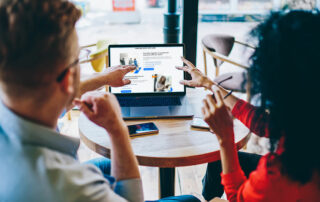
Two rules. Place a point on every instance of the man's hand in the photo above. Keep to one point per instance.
(103, 109)
(218, 117)
(198, 78)
(115, 75)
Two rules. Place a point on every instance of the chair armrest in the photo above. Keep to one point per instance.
(245, 44)
(95, 57)
(216, 199)
(87, 46)
(224, 58)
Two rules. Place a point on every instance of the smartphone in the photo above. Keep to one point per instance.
(199, 123)
(142, 129)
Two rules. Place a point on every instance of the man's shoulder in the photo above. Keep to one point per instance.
(50, 175)
(60, 165)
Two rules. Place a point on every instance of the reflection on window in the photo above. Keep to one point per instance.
(236, 5)
(254, 6)
(251, 5)
(214, 4)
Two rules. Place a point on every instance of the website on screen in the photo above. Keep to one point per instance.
(155, 68)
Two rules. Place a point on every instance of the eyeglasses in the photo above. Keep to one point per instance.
(83, 55)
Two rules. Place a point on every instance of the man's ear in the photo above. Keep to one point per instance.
(66, 84)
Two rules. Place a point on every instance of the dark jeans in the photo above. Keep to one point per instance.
(212, 180)
(104, 165)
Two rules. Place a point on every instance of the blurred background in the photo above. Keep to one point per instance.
(142, 21)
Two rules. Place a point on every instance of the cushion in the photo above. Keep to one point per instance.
(237, 83)
(220, 43)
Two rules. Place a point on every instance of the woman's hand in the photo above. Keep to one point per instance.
(218, 117)
(198, 78)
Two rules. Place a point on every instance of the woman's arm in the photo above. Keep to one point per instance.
(255, 119)
(217, 115)
(200, 80)
(262, 183)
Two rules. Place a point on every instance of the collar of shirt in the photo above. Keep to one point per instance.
(19, 129)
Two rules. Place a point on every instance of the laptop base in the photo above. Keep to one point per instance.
(154, 112)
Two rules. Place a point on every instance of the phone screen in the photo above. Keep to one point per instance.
(141, 129)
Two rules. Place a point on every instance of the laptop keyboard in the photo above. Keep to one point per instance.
(148, 101)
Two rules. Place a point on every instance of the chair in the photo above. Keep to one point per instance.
(99, 57)
(216, 199)
(219, 46)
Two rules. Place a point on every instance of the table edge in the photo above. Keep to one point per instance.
(165, 162)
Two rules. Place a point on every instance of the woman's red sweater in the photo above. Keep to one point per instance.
(266, 183)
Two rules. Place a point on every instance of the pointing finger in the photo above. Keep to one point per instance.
(127, 69)
(187, 62)
(185, 68)
(126, 81)
(188, 83)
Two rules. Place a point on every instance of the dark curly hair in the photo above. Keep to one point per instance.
(284, 72)
(34, 39)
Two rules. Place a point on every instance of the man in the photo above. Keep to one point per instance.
(122, 61)
(39, 79)
(130, 61)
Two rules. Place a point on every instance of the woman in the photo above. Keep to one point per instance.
(161, 84)
(284, 73)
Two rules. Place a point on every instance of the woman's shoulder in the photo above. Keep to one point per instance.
(268, 180)
(270, 166)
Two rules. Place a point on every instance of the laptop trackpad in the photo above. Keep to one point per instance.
(150, 111)
(145, 112)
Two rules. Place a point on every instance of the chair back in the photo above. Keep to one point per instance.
(220, 43)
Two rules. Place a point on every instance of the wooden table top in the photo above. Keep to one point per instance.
(177, 144)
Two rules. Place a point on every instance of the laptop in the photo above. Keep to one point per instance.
(155, 91)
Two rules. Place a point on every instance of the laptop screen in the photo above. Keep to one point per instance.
(155, 68)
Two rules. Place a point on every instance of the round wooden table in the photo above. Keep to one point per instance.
(176, 144)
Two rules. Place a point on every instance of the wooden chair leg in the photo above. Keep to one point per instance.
(216, 199)
(205, 62)
(248, 88)
(245, 147)
(215, 62)
(248, 96)
(217, 71)
(69, 115)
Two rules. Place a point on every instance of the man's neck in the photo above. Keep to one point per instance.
(44, 115)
